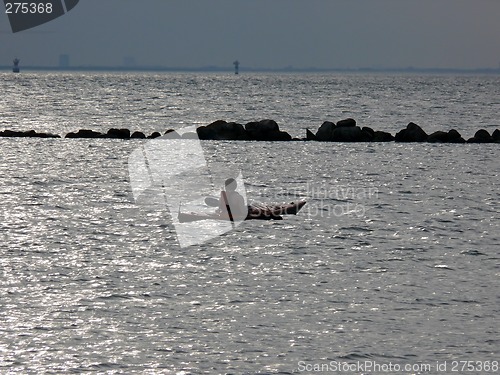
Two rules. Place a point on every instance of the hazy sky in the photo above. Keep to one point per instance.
(266, 33)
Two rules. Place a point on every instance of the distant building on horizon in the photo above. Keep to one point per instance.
(64, 61)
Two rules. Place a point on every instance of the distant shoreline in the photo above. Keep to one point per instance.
(216, 69)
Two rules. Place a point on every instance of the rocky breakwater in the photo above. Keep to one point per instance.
(111, 134)
(264, 130)
(414, 133)
(345, 130)
(26, 134)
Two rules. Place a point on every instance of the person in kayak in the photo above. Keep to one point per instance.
(231, 203)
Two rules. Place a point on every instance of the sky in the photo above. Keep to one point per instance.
(463, 34)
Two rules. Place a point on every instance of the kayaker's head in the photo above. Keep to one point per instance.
(230, 184)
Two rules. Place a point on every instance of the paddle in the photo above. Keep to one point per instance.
(228, 208)
(214, 202)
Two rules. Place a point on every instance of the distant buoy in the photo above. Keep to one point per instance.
(15, 68)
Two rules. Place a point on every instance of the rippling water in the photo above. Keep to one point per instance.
(64, 102)
(395, 258)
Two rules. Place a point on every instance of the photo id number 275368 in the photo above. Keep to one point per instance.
(28, 8)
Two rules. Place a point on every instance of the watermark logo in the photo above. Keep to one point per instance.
(24, 15)
(330, 201)
(171, 173)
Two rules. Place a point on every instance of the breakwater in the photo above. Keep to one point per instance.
(345, 130)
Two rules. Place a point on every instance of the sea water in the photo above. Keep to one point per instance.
(394, 261)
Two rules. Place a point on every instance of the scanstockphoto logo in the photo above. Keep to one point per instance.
(24, 15)
(330, 201)
(170, 173)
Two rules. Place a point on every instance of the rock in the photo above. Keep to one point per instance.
(29, 134)
(325, 132)
(138, 135)
(171, 134)
(263, 126)
(118, 133)
(455, 137)
(234, 130)
(9, 133)
(34, 134)
(85, 133)
(368, 133)
(205, 133)
(350, 134)
(154, 135)
(438, 137)
(222, 130)
(344, 131)
(380, 136)
(266, 130)
(496, 136)
(47, 135)
(412, 133)
(280, 136)
(310, 136)
(347, 123)
(368, 130)
(451, 136)
(481, 136)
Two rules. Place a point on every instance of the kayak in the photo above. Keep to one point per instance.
(269, 212)
(260, 212)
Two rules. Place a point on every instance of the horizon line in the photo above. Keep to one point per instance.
(214, 68)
